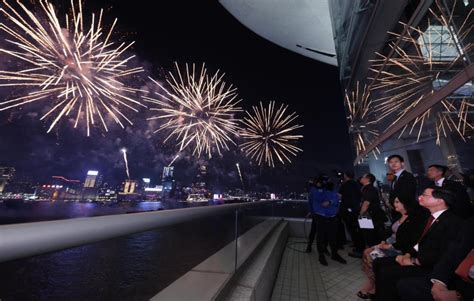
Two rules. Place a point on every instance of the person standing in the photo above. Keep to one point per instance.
(403, 185)
(371, 206)
(462, 204)
(316, 192)
(325, 204)
(349, 211)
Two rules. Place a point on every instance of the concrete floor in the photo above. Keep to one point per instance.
(302, 277)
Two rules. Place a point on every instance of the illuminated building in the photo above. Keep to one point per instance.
(129, 187)
(167, 179)
(91, 178)
(201, 178)
(145, 183)
(6, 174)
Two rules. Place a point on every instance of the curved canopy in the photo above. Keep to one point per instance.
(302, 26)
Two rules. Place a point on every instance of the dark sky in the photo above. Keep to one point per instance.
(193, 31)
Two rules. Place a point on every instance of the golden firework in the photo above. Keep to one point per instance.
(72, 68)
(197, 110)
(268, 136)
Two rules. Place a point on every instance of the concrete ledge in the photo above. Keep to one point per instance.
(256, 279)
(205, 281)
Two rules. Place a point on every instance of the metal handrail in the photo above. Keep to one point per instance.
(29, 239)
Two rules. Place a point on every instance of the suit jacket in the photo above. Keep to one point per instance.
(462, 204)
(404, 187)
(410, 231)
(458, 250)
(434, 244)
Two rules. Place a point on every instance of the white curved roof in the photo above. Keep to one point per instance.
(303, 26)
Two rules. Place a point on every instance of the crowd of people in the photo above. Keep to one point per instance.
(416, 244)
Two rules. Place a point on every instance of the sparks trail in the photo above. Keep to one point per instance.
(74, 69)
(197, 110)
(124, 151)
(268, 134)
(361, 118)
(420, 68)
(240, 175)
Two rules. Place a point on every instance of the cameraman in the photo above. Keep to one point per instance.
(324, 205)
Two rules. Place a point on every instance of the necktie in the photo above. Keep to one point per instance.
(394, 181)
(427, 227)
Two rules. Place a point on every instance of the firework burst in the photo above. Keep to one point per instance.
(268, 134)
(72, 68)
(360, 116)
(419, 68)
(198, 110)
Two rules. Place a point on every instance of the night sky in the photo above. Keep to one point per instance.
(191, 31)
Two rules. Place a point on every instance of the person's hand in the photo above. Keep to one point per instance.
(326, 204)
(383, 245)
(438, 290)
(404, 260)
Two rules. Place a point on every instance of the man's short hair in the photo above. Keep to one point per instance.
(446, 195)
(443, 169)
(371, 178)
(349, 174)
(395, 156)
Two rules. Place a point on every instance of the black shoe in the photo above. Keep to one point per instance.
(338, 258)
(355, 254)
(322, 260)
(308, 249)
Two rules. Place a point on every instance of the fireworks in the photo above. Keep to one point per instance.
(362, 124)
(421, 67)
(124, 151)
(268, 134)
(240, 175)
(197, 110)
(174, 159)
(71, 68)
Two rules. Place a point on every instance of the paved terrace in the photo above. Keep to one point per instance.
(302, 277)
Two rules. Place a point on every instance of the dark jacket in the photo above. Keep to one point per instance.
(462, 204)
(458, 250)
(404, 188)
(410, 231)
(350, 195)
(434, 244)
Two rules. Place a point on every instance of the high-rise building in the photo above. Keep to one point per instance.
(91, 179)
(145, 183)
(167, 178)
(129, 186)
(6, 174)
(201, 177)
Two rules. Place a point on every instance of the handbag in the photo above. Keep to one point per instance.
(464, 267)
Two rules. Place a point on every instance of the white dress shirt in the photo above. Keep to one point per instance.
(439, 183)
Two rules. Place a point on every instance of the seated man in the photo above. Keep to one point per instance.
(439, 231)
(443, 283)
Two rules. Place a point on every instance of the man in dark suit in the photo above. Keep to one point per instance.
(349, 211)
(443, 277)
(439, 231)
(462, 204)
(404, 183)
